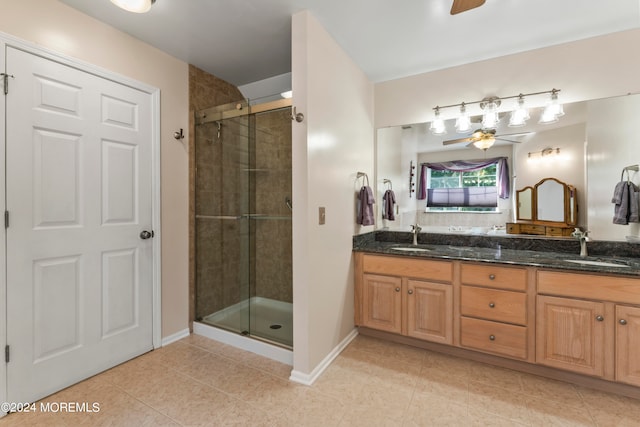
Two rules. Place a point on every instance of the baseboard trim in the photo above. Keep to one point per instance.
(309, 379)
(175, 337)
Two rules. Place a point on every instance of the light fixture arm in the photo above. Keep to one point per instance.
(497, 100)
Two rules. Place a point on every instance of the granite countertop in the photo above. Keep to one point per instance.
(524, 251)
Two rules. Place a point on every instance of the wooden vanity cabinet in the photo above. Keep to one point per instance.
(406, 296)
(585, 323)
(570, 334)
(628, 344)
(589, 324)
(382, 303)
(493, 309)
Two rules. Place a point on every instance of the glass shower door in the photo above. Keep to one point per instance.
(223, 264)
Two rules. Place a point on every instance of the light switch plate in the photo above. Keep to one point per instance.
(321, 215)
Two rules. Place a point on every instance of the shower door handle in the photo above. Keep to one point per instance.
(144, 234)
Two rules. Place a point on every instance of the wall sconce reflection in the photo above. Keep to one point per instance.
(546, 153)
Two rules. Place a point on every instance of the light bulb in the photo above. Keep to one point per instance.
(463, 122)
(437, 125)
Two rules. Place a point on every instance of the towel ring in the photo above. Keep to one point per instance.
(366, 177)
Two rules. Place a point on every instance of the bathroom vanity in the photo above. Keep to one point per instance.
(543, 312)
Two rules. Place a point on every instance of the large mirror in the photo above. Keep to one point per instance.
(595, 142)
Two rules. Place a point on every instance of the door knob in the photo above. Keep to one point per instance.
(144, 234)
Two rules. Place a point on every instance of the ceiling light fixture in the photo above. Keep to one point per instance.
(136, 6)
(490, 114)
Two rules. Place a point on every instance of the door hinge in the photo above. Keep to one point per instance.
(5, 78)
(6, 219)
(6, 354)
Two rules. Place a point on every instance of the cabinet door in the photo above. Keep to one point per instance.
(627, 345)
(430, 311)
(570, 334)
(382, 303)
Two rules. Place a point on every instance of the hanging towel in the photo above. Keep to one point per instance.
(388, 211)
(627, 203)
(365, 206)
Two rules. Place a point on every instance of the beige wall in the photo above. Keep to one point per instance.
(56, 26)
(330, 146)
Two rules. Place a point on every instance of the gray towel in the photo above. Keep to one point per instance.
(627, 202)
(389, 199)
(365, 206)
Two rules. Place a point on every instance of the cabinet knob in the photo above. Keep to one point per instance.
(622, 321)
(410, 291)
(492, 304)
(492, 337)
(492, 276)
(397, 289)
(599, 318)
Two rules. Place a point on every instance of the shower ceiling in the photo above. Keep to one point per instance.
(243, 41)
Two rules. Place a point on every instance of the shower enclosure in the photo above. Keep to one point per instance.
(243, 220)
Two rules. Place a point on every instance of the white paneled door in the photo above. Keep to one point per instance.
(79, 196)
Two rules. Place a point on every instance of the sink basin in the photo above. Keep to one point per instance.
(596, 263)
(410, 249)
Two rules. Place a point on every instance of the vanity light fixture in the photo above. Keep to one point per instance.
(520, 115)
(490, 118)
(136, 6)
(544, 153)
(437, 125)
(463, 122)
(553, 110)
(490, 114)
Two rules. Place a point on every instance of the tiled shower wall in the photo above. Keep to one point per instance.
(205, 90)
(272, 276)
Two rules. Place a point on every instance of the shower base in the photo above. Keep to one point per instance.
(258, 320)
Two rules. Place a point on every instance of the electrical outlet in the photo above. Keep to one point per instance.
(321, 215)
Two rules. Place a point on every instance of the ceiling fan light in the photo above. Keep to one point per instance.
(484, 143)
(437, 125)
(463, 122)
(136, 6)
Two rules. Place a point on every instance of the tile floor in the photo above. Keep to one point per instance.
(199, 382)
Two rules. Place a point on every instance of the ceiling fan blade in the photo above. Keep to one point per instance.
(514, 134)
(464, 5)
(457, 141)
(507, 140)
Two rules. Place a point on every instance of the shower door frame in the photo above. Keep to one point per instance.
(216, 114)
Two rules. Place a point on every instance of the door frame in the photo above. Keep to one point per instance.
(7, 40)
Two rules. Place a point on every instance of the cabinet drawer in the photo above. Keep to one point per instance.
(412, 268)
(493, 304)
(494, 337)
(494, 276)
(559, 231)
(589, 286)
(532, 229)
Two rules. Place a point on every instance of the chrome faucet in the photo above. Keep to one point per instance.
(415, 229)
(583, 236)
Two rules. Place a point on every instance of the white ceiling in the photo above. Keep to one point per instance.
(244, 41)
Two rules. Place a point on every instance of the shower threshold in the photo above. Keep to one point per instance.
(247, 343)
